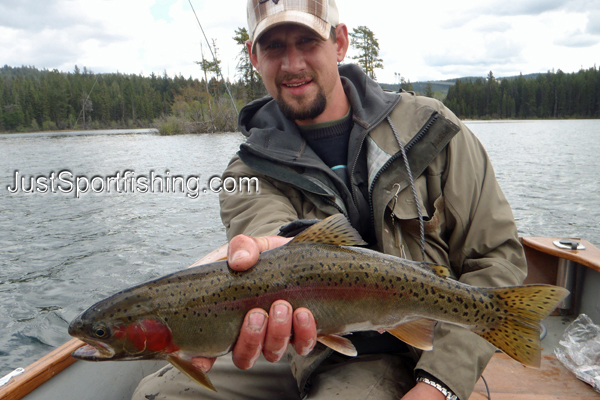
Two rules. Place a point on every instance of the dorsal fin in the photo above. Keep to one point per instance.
(334, 230)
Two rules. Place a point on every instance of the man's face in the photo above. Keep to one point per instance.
(299, 69)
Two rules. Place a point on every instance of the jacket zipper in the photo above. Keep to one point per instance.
(362, 140)
(408, 146)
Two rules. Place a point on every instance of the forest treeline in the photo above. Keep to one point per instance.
(550, 95)
(33, 100)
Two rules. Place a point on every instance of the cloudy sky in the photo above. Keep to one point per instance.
(419, 40)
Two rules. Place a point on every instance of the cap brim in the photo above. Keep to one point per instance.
(294, 17)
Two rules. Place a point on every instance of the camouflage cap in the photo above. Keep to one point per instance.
(318, 15)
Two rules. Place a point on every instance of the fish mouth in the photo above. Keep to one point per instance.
(94, 351)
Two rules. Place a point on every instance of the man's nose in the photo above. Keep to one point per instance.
(293, 60)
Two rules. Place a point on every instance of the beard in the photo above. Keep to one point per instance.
(304, 109)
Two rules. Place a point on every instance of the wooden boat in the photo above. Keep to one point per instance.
(59, 376)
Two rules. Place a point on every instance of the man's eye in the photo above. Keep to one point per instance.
(274, 46)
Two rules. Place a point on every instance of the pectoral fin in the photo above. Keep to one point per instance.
(190, 370)
(417, 333)
(339, 344)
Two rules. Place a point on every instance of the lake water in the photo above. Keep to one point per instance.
(62, 251)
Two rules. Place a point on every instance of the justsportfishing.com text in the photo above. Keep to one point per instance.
(127, 181)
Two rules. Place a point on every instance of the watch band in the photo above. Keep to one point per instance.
(449, 395)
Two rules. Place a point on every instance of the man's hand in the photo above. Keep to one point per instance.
(262, 332)
(423, 391)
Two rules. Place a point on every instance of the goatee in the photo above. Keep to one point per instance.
(311, 111)
(302, 109)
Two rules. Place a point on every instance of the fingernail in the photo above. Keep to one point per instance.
(302, 318)
(239, 254)
(256, 321)
(281, 313)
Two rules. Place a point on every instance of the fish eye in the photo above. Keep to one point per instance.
(101, 332)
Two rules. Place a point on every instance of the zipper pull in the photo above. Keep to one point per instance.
(397, 232)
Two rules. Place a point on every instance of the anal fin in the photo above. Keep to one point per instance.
(417, 333)
(339, 344)
(190, 370)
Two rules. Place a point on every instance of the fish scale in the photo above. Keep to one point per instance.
(200, 311)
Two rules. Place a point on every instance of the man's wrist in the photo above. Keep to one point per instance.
(434, 383)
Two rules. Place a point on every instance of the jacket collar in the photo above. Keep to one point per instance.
(274, 137)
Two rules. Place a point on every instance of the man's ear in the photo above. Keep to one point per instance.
(253, 58)
(342, 41)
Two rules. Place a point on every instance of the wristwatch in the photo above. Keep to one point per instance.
(449, 395)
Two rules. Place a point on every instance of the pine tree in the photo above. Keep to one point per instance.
(249, 77)
(363, 40)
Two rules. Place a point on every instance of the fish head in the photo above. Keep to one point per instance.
(120, 338)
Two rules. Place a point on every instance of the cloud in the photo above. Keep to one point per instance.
(593, 25)
(582, 6)
(32, 15)
(493, 25)
(522, 7)
(492, 50)
(578, 39)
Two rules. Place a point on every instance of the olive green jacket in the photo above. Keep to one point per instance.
(469, 224)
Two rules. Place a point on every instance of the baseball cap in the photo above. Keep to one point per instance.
(318, 15)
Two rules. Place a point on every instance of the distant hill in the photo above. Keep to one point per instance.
(442, 87)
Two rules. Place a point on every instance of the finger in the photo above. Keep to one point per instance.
(279, 330)
(203, 364)
(305, 331)
(244, 250)
(242, 253)
(248, 347)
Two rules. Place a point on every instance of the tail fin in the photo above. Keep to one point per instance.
(516, 328)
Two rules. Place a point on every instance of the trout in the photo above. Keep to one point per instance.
(198, 312)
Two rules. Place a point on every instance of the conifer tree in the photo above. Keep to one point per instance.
(363, 40)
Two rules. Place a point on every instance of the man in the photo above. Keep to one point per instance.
(410, 177)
